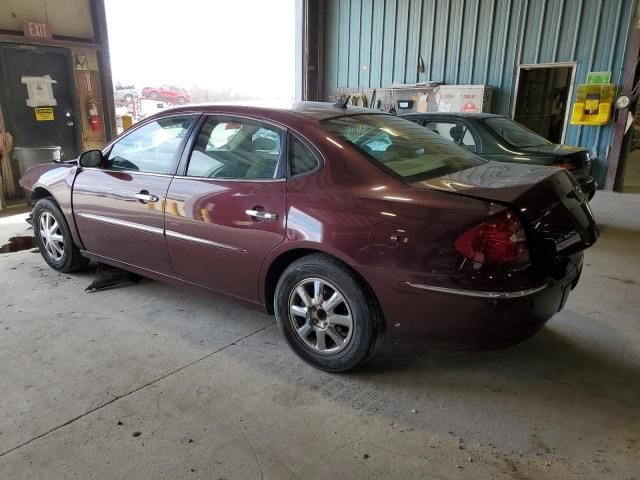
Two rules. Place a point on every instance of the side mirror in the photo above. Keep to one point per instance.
(91, 159)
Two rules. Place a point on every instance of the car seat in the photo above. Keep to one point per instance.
(398, 152)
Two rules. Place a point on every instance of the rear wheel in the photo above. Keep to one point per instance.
(54, 237)
(153, 94)
(327, 316)
(181, 100)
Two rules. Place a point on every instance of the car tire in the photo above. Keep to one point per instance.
(334, 330)
(181, 100)
(128, 98)
(153, 94)
(54, 237)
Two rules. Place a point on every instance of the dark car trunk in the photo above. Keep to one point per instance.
(578, 157)
(549, 201)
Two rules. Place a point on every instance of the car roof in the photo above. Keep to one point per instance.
(476, 115)
(313, 110)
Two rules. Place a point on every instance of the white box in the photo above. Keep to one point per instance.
(464, 98)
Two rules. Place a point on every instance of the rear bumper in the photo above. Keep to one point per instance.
(589, 186)
(468, 319)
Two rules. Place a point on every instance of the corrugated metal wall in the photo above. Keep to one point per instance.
(476, 42)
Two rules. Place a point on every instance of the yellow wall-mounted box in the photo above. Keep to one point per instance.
(593, 104)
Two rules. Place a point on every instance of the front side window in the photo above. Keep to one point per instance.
(454, 131)
(403, 148)
(229, 148)
(514, 133)
(151, 148)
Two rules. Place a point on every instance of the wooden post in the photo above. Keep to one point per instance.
(615, 168)
(312, 50)
(99, 20)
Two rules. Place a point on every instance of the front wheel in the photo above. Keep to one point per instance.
(54, 237)
(327, 316)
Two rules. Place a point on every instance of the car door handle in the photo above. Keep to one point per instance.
(261, 214)
(146, 198)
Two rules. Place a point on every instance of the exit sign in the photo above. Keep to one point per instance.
(37, 30)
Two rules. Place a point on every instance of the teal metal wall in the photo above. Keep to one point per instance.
(476, 42)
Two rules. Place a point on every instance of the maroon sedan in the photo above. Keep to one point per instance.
(348, 224)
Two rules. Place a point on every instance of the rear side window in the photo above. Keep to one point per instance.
(151, 148)
(233, 148)
(514, 133)
(454, 131)
(302, 158)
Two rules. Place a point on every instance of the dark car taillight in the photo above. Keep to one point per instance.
(566, 165)
(500, 240)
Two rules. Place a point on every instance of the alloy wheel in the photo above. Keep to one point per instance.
(51, 237)
(320, 316)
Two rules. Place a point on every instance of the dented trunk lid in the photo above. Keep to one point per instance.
(549, 200)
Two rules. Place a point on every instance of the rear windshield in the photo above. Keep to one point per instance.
(402, 147)
(514, 133)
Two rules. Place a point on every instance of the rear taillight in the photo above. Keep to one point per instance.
(567, 166)
(500, 240)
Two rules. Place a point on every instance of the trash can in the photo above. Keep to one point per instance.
(27, 157)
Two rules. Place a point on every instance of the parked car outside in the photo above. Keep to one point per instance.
(349, 224)
(168, 93)
(125, 93)
(499, 138)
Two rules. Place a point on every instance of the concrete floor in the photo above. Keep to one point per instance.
(149, 381)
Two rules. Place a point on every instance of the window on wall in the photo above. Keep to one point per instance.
(151, 148)
(230, 148)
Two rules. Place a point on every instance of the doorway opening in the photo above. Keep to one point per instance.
(631, 164)
(37, 97)
(543, 96)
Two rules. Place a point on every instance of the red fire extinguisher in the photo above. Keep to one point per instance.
(92, 115)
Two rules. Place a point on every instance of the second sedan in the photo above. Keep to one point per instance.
(500, 139)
